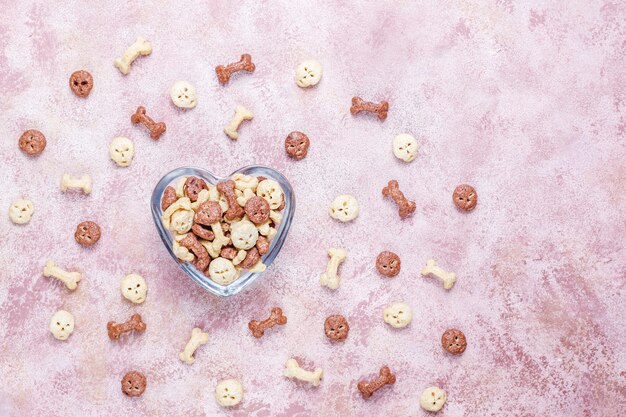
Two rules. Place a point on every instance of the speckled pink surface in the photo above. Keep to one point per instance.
(525, 101)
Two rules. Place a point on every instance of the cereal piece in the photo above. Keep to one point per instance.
(244, 196)
(297, 145)
(243, 182)
(405, 207)
(203, 197)
(344, 208)
(229, 392)
(181, 221)
(62, 325)
(121, 151)
(183, 95)
(241, 255)
(155, 129)
(359, 105)
(405, 147)
(81, 83)
(208, 213)
(21, 211)
(115, 330)
(465, 197)
(257, 267)
(330, 278)
(276, 317)
(336, 328)
(293, 370)
(182, 203)
(272, 192)
(70, 279)
(263, 245)
(251, 259)
(241, 114)
(134, 288)
(140, 47)
(190, 242)
(169, 197)
(235, 211)
(243, 234)
(180, 187)
(84, 183)
(198, 338)
(433, 399)
(32, 142)
(202, 232)
(228, 253)
(388, 264)
(134, 383)
(447, 278)
(222, 271)
(224, 72)
(182, 253)
(398, 315)
(257, 209)
(193, 186)
(454, 341)
(384, 377)
(308, 73)
(87, 233)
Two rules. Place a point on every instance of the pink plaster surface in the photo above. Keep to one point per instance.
(524, 100)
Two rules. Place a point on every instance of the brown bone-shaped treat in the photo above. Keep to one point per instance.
(359, 105)
(259, 327)
(134, 323)
(202, 232)
(384, 377)
(405, 207)
(235, 211)
(140, 116)
(193, 244)
(169, 197)
(224, 72)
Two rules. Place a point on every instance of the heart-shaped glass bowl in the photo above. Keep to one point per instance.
(246, 278)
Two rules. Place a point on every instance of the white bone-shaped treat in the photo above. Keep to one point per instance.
(330, 278)
(198, 338)
(70, 279)
(140, 47)
(447, 278)
(241, 114)
(84, 183)
(293, 370)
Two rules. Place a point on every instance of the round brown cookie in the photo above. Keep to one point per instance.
(32, 142)
(336, 327)
(169, 197)
(465, 197)
(257, 209)
(208, 213)
(134, 383)
(81, 83)
(297, 145)
(454, 341)
(193, 186)
(87, 233)
(388, 264)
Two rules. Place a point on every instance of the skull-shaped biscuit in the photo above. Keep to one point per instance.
(405, 147)
(183, 95)
(181, 221)
(388, 264)
(465, 197)
(297, 145)
(121, 151)
(62, 324)
(87, 233)
(21, 211)
(344, 208)
(271, 191)
(308, 73)
(433, 399)
(243, 234)
(398, 315)
(134, 288)
(222, 271)
(336, 327)
(229, 392)
(32, 142)
(134, 383)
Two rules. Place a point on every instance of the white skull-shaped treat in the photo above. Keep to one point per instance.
(271, 191)
(229, 392)
(62, 325)
(398, 315)
(134, 288)
(121, 151)
(243, 234)
(183, 94)
(21, 211)
(308, 73)
(405, 147)
(433, 398)
(181, 221)
(222, 271)
(344, 208)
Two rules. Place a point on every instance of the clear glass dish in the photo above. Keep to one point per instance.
(246, 278)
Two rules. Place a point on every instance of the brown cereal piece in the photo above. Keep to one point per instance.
(228, 252)
(454, 341)
(193, 244)
(276, 317)
(193, 186)
(115, 330)
(261, 178)
(465, 197)
(208, 213)
(202, 232)
(169, 197)
(81, 83)
(384, 377)
(388, 264)
(336, 328)
(87, 233)
(155, 129)
(297, 145)
(257, 209)
(263, 245)
(252, 257)
(235, 211)
(134, 383)
(32, 142)
(405, 207)
(359, 105)
(224, 72)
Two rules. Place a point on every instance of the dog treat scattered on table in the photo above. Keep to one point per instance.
(330, 278)
(384, 377)
(308, 73)
(447, 278)
(229, 392)
(198, 338)
(115, 330)
(293, 370)
(241, 114)
(398, 315)
(134, 383)
(359, 105)
(276, 318)
(465, 197)
(21, 211)
(32, 142)
(244, 64)
(433, 399)
(134, 288)
(140, 47)
(454, 341)
(297, 145)
(83, 183)
(405, 207)
(388, 264)
(87, 233)
(336, 327)
(183, 95)
(344, 208)
(405, 147)
(155, 129)
(81, 83)
(122, 151)
(70, 279)
(62, 324)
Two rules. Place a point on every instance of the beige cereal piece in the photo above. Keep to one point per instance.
(241, 114)
(308, 73)
(134, 288)
(447, 278)
(272, 192)
(70, 279)
(183, 94)
(228, 392)
(398, 315)
(140, 47)
(122, 151)
(83, 183)
(405, 147)
(293, 370)
(222, 271)
(330, 278)
(344, 208)
(198, 338)
(62, 325)
(21, 211)
(433, 398)
(182, 203)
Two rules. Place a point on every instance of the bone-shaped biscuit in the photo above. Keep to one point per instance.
(198, 338)
(447, 278)
(115, 330)
(330, 278)
(244, 64)
(384, 377)
(405, 206)
(359, 105)
(140, 47)
(84, 183)
(276, 317)
(293, 370)
(241, 114)
(70, 279)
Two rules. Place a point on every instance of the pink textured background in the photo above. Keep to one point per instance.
(526, 102)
